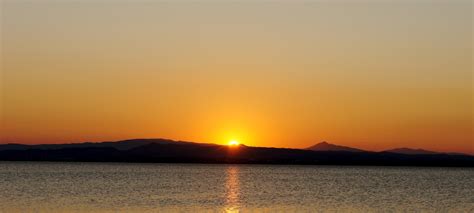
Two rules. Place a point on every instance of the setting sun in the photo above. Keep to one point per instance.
(233, 143)
(237, 105)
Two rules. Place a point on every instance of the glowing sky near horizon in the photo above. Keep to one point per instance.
(368, 74)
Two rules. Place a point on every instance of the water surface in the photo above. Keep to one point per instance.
(111, 187)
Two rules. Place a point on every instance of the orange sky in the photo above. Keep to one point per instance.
(369, 74)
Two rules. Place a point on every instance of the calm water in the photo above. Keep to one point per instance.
(110, 187)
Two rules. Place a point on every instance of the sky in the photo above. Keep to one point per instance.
(372, 74)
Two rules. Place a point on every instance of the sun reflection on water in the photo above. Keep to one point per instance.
(232, 190)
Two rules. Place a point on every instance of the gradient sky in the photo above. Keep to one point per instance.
(369, 74)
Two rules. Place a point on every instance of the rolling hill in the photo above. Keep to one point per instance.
(169, 151)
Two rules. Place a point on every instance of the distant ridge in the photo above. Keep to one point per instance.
(325, 146)
(170, 151)
(409, 151)
(119, 145)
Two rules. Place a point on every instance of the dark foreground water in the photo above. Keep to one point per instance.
(112, 187)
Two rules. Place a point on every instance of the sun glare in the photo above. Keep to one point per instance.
(233, 143)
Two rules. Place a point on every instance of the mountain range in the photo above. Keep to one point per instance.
(169, 151)
(325, 146)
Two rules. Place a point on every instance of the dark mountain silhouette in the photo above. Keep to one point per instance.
(168, 151)
(409, 151)
(325, 146)
(120, 145)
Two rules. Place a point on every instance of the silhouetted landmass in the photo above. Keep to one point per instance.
(120, 145)
(167, 151)
(409, 151)
(325, 146)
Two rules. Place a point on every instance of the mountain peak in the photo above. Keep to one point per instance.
(325, 146)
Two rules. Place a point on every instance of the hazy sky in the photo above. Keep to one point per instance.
(370, 74)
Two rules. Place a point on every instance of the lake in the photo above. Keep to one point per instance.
(112, 187)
